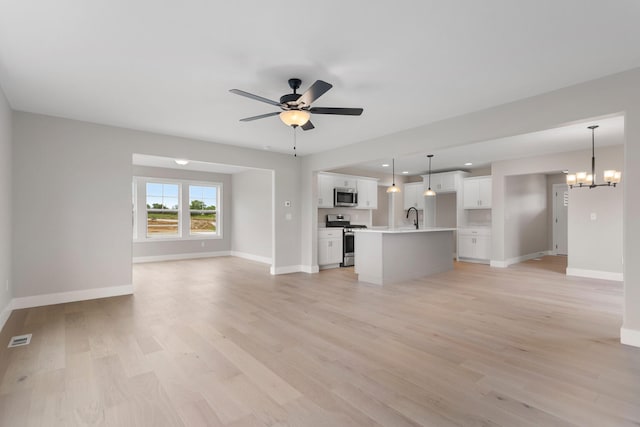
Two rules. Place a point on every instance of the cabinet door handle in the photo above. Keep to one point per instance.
(319, 201)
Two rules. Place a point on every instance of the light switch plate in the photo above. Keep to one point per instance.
(594, 216)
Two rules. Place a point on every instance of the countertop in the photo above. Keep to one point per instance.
(402, 230)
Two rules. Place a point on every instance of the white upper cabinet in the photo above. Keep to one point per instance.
(345, 181)
(367, 189)
(477, 192)
(325, 190)
(413, 195)
(445, 182)
(367, 193)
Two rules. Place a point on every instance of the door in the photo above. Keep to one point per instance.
(560, 210)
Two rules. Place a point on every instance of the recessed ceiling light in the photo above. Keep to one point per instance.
(468, 164)
(405, 172)
(565, 171)
(182, 162)
(385, 165)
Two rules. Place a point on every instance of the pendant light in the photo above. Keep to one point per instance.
(429, 191)
(393, 188)
(585, 180)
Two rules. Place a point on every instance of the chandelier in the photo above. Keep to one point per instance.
(588, 180)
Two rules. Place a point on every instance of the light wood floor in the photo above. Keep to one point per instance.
(220, 342)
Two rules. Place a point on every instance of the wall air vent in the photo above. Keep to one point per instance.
(19, 340)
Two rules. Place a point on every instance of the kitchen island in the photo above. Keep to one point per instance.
(390, 255)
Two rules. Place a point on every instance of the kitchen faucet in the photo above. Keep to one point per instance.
(416, 222)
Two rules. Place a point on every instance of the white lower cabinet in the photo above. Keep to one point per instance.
(474, 245)
(329, 247)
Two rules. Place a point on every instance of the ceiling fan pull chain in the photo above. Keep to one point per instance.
(295, 154)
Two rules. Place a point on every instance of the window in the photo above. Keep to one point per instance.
(203, 202)
(163, 209)
(176, 210)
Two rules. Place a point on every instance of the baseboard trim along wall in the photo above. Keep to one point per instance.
(630, 337)
(251, 257)
(178, 257)
(72, 296)
(511, 261)
(288, 269)
(4, 315)
(595, 274)
(311, 269)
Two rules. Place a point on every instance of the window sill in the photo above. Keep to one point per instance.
(177, 239)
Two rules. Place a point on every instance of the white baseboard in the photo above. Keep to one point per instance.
(4, 315)
(72, 296)
(329, 266)
(516, 260)
(595, 274)
(177, 257)
(309, 269)
(258, 258)
(286, 269)
(630, 337)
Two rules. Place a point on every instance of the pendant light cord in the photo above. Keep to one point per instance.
(393, 171)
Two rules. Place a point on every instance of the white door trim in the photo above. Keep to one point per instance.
(557, 188)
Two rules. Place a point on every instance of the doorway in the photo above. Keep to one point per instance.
(560, 219)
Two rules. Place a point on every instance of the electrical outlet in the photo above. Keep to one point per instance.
(594, 216)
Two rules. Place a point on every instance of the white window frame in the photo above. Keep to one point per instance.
(184, 221)
(179, 210)
(218, 187)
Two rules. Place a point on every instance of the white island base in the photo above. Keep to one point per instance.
(390, 256)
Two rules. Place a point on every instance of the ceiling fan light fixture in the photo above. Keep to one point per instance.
(294, 117)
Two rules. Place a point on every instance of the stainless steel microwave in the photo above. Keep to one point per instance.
(345, 197)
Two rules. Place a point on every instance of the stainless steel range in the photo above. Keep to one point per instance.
(348, 238)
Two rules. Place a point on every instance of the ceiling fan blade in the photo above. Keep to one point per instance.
(308, 126)
(316, 90)
(261, 116)
(338, 111)
(252, 96)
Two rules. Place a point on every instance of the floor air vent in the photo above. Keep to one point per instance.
(19, 340)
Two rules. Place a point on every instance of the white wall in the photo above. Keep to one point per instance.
(525, 215)
(164, 249)
(5, 208)
(251, 214)
(81, 172)
(615, 94)
(596, 244)
(581, 203)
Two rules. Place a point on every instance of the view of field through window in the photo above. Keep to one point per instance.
(163, 209)
(163, 203)
(202, 209)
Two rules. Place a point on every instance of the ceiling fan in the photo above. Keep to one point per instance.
(296, 109)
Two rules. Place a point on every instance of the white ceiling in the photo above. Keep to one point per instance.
(567, 138)
(167, 66)
(193, 165)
